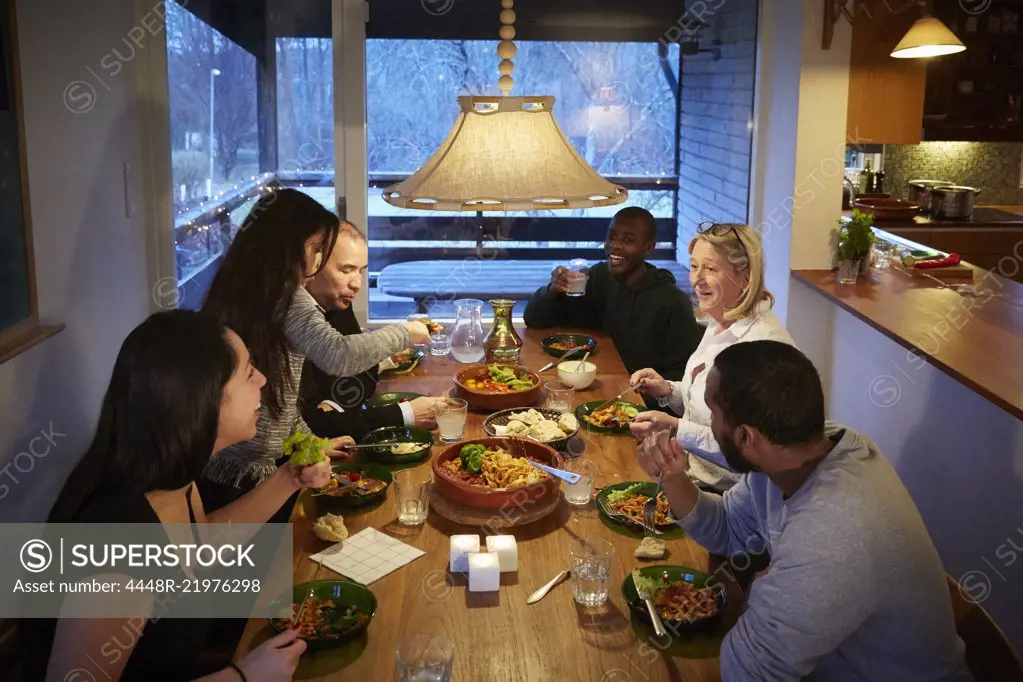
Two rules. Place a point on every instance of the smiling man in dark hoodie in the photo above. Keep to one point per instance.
(640, 306)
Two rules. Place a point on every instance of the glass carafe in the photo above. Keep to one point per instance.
(503, 343)
(467, 336)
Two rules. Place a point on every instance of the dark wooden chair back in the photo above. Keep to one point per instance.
(989, 655)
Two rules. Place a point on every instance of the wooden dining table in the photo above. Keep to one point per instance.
(497, 636)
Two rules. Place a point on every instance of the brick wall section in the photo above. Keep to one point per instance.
(715, 135)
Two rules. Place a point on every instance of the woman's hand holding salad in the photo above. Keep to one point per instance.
(308, 465)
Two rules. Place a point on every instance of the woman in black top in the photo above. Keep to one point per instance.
(182, 388)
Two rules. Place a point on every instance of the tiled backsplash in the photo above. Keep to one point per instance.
(993, 167)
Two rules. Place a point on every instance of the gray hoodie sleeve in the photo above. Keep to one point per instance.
(725, 524)
(309, 332)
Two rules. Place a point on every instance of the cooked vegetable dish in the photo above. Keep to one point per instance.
(499, 380)
(612, 416)
(321, 621)
(681, 600)
(485, 467)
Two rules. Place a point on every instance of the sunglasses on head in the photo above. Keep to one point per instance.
(722, 230)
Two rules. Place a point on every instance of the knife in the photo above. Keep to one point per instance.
(542, 592)
(555, 362)
(608, 402)
(645, 595)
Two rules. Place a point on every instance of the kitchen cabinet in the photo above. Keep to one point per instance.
(886, 95)
(976, 95)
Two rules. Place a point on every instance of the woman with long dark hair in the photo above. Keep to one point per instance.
(183, 386)
(260, 293)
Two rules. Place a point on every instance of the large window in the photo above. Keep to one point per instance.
(251, 108)
(616, 102)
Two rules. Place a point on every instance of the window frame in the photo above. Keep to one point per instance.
(23, 335)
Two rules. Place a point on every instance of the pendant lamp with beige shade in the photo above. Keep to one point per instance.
(505, 154)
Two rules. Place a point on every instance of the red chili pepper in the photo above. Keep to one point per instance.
(948, 261)
(352, 476)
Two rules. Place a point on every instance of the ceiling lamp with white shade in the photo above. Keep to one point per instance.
(928, 37)
(505, 154)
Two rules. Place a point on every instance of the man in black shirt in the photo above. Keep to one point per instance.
(334, 406)
(649, 318)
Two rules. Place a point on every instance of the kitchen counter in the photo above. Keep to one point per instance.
(1013, 221)
(977, 341)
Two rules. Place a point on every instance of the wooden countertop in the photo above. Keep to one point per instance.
(977, 341)
(496, 636)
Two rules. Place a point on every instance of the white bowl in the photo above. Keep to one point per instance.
(581, 379)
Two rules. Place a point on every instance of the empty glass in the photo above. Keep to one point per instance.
(559, 396)
(451, 416)
(883, 255)
(412, 489)
(440, 343)
(581, 492)
(848, 271)
(590, 561)
(425, 658)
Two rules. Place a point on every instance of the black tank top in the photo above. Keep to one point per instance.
(166, 651)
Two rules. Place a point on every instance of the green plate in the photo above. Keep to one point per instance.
(415, 357)
(369, 469)
(401, 434)
(586, 408)
(381, 399)
(344, 594)
(675, 574)
(574, 339)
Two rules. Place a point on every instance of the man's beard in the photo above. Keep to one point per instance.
(736, 462)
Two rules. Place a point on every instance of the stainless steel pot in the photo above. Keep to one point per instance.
(919, 192)
(953, 201)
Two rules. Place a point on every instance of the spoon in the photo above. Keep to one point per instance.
(581, 363)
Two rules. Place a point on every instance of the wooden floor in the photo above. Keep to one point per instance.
(497, 637)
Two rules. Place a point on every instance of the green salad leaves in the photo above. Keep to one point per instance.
(621, 494)
(472, 457)
(649, 586)
(304, 448)
(506, 375)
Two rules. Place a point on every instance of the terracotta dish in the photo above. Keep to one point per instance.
(511, 499)
(888, 209)
(496, 401)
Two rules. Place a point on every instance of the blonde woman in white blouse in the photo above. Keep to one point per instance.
(727, 276)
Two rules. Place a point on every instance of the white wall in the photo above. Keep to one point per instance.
(90, 259)
(960, 457)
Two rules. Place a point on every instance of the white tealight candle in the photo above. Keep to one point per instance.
(484, 573)
(506, 550)
(461, 547)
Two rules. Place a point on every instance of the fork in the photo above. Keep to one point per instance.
(650, 508)
(297, 623)
(628, 519)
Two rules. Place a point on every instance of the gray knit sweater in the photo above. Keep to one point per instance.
(310, 336)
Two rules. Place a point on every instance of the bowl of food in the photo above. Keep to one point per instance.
(400, 444)
(498, 386)
(685, 599)
(623, 503)
(382, 399)
(406, 361)
(549, 427)
(495, 473)
(559, 344)
(612, 418)
(354, 485)
(335, 611)
(578, 375)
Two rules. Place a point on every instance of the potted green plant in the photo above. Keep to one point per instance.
(855, 239)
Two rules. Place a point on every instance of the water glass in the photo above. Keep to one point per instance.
(581, 492)
(440, 344)
(451, 415)
(418, 317)
(425, 658)
(848, 271)
(590, 560)
(579, 277)
(412, 488)
(883, 255)
(559, 396)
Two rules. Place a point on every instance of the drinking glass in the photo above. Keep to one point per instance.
(848, 271)
(559, 396)
(440, 343)
(579, 277)
(581, 492)
(425, 658)
(418, 317)
(451, 416)
(590, 560)
(882, 255)
(412, 488)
